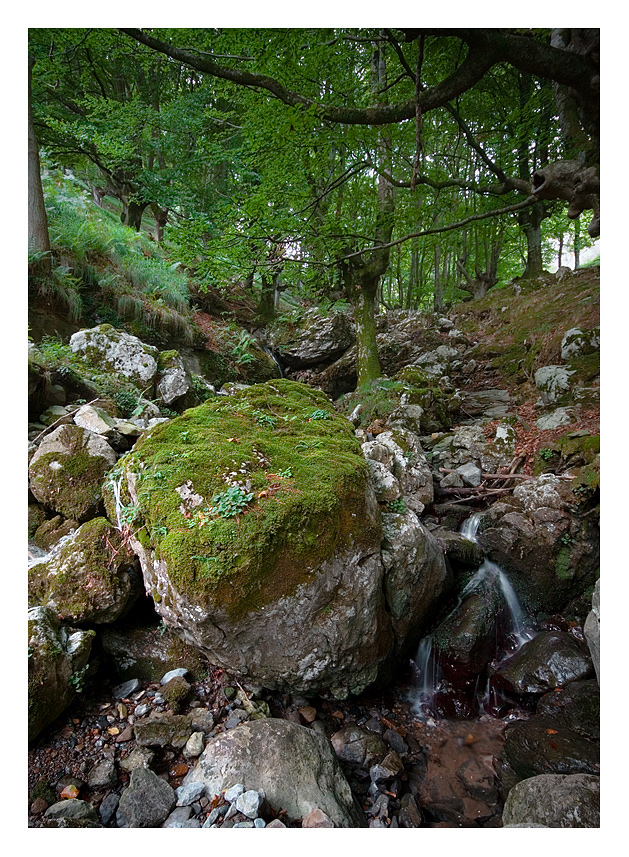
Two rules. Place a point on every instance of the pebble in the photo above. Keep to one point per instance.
(181, 671)
(244, 824)
(123, 690)
(141, 757)
(317, 818)
(158, 699)
(249, 803)
(232, 793)
(259, 822)
(275, 823)
(141, 710)
(108, 807)
(194, 745)
(177, 816)
(189, 793)
(387, 769)
(103, 775)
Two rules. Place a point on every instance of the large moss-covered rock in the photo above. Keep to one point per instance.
(312, 338)
(554, 800)
(57, 660)
(258, 533)
(91, 578)
(67, 470)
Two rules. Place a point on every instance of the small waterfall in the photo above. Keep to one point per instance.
(116, 482)
(275, 360)
(430, 687)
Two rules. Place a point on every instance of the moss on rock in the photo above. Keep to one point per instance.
(244, 497)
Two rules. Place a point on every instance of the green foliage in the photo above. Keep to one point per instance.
(398, 506)
(240, 349)
(230, 502)
(319, 414)
(77, 679)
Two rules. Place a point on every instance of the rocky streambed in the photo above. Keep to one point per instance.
(294, 566)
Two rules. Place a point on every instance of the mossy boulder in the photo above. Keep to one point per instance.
(312, 337)
(67, 470)
(91, 578)
(51, 531)
(146, 652)
(173, 381)
(57, 659)
(258, 533)
(118, 352)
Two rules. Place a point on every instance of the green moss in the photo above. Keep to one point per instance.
(292, 523)
(563, 564)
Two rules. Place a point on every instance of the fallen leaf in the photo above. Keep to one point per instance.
(551, 732)
(113, 730)
(70, 792)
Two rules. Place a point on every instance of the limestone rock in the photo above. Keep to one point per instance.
(400, 452)
(312, 338)
(295, 767)
(415, 574)
(552, 659)
(553, 382)
(116, 351)
(95, 419)
(56, 654)
(146, 802)
(577, 342)
(284, 588)
(553, 800)
(358, 746)
(173, 381)
(592, 629)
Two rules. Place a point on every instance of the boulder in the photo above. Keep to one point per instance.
(592, 629)
(173, 381)
(415, 575)
(95, 419)
(294, 766)
(553, 800)
(146, 802)
(542, 745)
(258, 533)
(552, 659)
(118, 352)
(57, 659)
(67, 470)
(577, 706)
(358, 746)
(550, 554)
(147, 652)
(577, 342)
(92, 578)
(52, 531)
(312, 338)
(553, 382)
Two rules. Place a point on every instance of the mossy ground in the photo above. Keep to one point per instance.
(282, 443)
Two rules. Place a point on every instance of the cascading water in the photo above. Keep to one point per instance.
(116, 482)
(434, 691)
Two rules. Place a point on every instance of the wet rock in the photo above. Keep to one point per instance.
(553, 800)
(458, 550)
(410, 814)
(577, 706)
(552, 659)
(542, 745)
(146, 802)
(389, 768)
(317, 818)
(356, 745)
(592, 629)
(415, 575)
(103, 775)
(66, 472)
(294, 766)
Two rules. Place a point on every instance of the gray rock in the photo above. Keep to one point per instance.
(180, 671)
(178, 816)
(592, 629)
(146, 802)
(194, 745)
(259, 822)
(234, 792)
(120, 691)
(401, 453)
(249, 803)
(470, 474)
(576, 342)
(415, 574)
(103, 775)
(173, 381)
(313, 338)
(295, 767)
(73, 808)
(554, 800)
(56, 653)
(244, 824)
(116, 351)
(553, 382)
(391, 766)
(108, 807)
(140, 757)
(385, 485)
(188, 794)
(163, 731)
(550, 422)
(552, 659)
(94, 419)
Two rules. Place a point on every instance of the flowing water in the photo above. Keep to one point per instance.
(433, 692)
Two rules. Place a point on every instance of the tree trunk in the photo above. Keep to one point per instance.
(531, 222)
(161, 219)
(577, 244)
(367, 360)
(438, 304)
(38, 236)
(560, 253)
(132, 214)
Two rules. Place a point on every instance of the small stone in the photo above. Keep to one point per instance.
(177, 816)
(274, 824)
(232, 793)
(180, 672)
(317, 818)
(69, 792)
(249, 803)
(108, 807)
(194, 745)
(188, 794)
(38, 806)
(73, 808)
(396, 742)
(259, 822)
(146, 802)
(141, 710)
(125, 735)
(123, 690)
(387, 769)
(141, 757)
(244, 824)
(308, 713)
(103, 775)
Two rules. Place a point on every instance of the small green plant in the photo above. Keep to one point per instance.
(285, 474)
(160, 531)
(319, 414)
(30, 651)
(308, 444)
(240, 349)
(263, 419)
(77, 678)
(546, 454)
(230, 502)
(398, 506)
(567, 539)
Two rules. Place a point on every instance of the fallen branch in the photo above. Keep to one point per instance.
(60, 420)
(505, 476)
